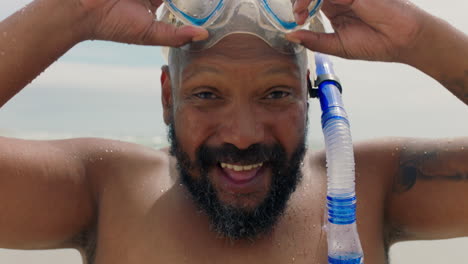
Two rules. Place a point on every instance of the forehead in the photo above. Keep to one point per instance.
(240, 52)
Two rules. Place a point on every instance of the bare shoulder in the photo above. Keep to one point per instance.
(376, 163)
(111, 161)
(383, 150)
(405, 159)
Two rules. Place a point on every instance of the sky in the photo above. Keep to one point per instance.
(112, 90)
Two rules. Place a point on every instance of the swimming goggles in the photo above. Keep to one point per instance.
(266, 19)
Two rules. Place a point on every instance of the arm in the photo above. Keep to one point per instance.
(39, 34)
(33, 39)
(48, 189)
(394, 31)
(46, 196)
(418, 186)
(429, 194)
(442, 53)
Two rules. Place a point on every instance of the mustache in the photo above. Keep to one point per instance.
(228, 153)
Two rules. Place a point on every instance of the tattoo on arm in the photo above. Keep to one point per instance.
(458, 86)
(412, 169)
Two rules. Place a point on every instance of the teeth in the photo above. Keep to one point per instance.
(239, 167)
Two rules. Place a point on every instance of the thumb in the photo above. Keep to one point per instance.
(328, 43)
(163, 34)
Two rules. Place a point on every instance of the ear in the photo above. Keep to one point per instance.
(166, 94)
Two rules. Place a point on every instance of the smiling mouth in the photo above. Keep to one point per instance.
(241, 174)
(240, 167)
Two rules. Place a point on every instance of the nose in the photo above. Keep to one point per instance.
(241, 127)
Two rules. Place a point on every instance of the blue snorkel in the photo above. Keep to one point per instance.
(344, 246)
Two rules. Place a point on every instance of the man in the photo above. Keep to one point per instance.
(122, 203)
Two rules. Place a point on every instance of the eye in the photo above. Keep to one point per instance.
(206, 95)
(277, 94)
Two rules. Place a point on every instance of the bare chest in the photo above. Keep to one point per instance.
(135, 228)
(174, 241)
(183, 243)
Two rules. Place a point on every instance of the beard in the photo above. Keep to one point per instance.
(235, 222)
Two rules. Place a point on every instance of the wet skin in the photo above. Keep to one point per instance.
(259, 97)
(144, 219)
(122, 203)
(220, 103)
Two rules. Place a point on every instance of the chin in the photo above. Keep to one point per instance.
(247, 202)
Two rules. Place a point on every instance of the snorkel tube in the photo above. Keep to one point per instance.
(344, 246)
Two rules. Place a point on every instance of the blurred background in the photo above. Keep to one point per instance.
(102, 89)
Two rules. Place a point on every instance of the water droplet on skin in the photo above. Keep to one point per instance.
(462, 148)
(107, 150)
(425, 152)
(100, 158)
(2, 53)
(397, 149)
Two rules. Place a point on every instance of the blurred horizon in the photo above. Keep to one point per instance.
(106, 89)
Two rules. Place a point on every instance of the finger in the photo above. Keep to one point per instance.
(153, 9)
(301, 6)
(168, 35)
(156, 3)
(149, 6)
(321, 42)
(301, 17)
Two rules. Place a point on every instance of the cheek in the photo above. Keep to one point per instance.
(192, 128)
(290, 126)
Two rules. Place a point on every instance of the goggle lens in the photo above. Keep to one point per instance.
(195, 12)
(281, 11)
(203, 12)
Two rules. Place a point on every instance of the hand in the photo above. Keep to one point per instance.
(133, 22)
(384, 30)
